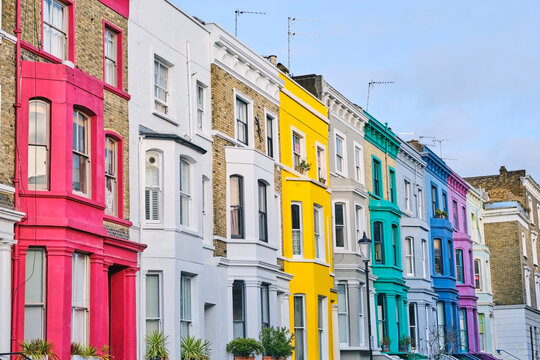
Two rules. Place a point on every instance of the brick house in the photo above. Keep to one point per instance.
(74, 264)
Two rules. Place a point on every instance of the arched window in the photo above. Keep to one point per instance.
(263, 212)
(459, 266)
(111, 176)
(38, 145)
(185, 192)
(152, 191)
(236, 188)
(81, 154)
(378, 242)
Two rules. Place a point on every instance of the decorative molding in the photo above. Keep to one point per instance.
(381, 136)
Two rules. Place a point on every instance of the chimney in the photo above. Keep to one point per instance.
(503, 172)
(272, 59)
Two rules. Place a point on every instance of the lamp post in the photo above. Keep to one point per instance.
(365, 250)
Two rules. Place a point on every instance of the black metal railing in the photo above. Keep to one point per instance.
(16, 353)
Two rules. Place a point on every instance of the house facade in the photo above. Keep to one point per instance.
(307, 219)
(416, 247)
(511, 229)
(381, 148)
(247, 187)
(74, 253)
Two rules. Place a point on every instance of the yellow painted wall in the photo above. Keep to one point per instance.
(311, 278)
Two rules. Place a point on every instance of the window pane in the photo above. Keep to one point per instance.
(295, 210)
(152, 296)
(34, 321)
(185, 298)
(34, 276)
(152, 326)
(298, 311)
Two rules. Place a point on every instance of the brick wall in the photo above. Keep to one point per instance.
(503, 187)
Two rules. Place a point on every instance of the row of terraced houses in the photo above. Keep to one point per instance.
(157, 174)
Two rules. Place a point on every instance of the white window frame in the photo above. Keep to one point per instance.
(340, 158)
(250, 141)
(425, 259)
(524, 244)
(409, 257)
(321, 170)
(275, 133)
(262, 211)
(420, 202)
(84, 306)
(322, 324)
(33, 146)
(111, 175)
(299, 231)
(407, 195)
(318, 232)
(302, 154)
(240, 207)
(153, 189)
(414, 306)
(243, 305)
(186, 311)
(200, 91)
(159, 318)
(528, 285)
(85, 154)
(359, 174)
(344, 225)
(184, 192)
(64, 30)
(537, 289)
(265, 305)
(110, 42)
(34, 274)
(303, 327)
(166, 88)
(360, 223)
(480, 274)
(343, 313)
(534, 250)
(531, 215)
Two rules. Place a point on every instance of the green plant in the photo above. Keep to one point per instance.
(441, 214)
(38, 349)
(156, 346)
(194, 349)
(86, 351)
(106, 353)
(276, 342)
(405, 340)
(386, 341)
(245, 347)
(304, 165)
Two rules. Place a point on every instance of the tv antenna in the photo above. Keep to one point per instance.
(440, 141)
(241, 12)
(291, 33)
(373, 83)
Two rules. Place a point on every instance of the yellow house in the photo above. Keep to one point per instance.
(307, 219)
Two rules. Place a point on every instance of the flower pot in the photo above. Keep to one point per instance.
(244, 358)
(268, 357)
(77, 357)
(385, 348)
(403, 348)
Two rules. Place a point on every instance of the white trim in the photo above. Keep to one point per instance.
(303, 152)
(250, 123)
(346, 221)
(344, 159)
(275, 134)
(324, 168)
(301, 216)
(362, 179)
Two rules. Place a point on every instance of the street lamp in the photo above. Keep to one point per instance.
(365, 250)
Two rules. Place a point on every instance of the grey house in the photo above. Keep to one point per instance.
(422, 299)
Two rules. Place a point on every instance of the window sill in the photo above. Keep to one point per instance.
(117, 91)
(117, 220)
(43, 54)
(376, 197)
(165, 117)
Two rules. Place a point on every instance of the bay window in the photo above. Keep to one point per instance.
(111, 176)
(35, 294)
(152, 191)
(395, 245)
(477, 274)
(339, 224)
(459, 266)
(437, 252)
(413, 330)
(382, 326)
(80, 298)
(463, 329)
(153, 303)
(185, 192)
(318, 233)
(38, 145)
(81, 153)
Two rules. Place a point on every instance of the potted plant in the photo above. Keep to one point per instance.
(106, 353)
(322, 180)
(156, 348)
(385, 344)
(38, 349)
(244, 348)
(277, 343)
(194, 349)
(441, 214)
(303, 166)
(80, 352)
(404, 343)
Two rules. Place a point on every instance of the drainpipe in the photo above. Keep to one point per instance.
(189, 75)
(141, 160)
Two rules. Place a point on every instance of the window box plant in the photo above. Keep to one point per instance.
(303, 166)
(385, 344)
(404, 343)
(441, 214)
(244, 348)
(322, 180)
(194, 349)
(156, 346)
(84, 352)
(277, 343)
(38, 349)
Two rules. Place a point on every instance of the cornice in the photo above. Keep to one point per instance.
(531, 186)
(409, 156)
(457, 183)
(435, 165)
(342, 109)
(381, 136)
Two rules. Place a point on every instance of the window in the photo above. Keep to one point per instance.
(238, 309)
(38, 145)
(531, 216)
(296, 218)
(111, 56)
(424, 258)
(459, 267)
(420, 200)
(534, 249)
(407, 192)
(398, 315)
(538, 212)
(445, 201)
(455, 212)
(300, 350)
(382, 326)
(482, 331)
(377, 190)
(477, 274)
(265, 306)
(524, 244)
(339, 154)
(361, 292)
(392, 185)
(358, 162)
(263, 217)
(34, 294)
(185, 192)
(111, 178)
(153, 188)
(161, 86)
(528, 285)
(537, 289)
(409, 256)
(360, 227)
(153, 302)
(463, 329)
(297, 150)
(434, 205)
(395, 240)
(343, 313)
(185, 305)
(437, 251)
(241, 121)
(378, 241)
(269, 136)
(80, 299)
(450, 262)
(441, 324)
(413, 332)
(55, 28)
(237, 206)
(339, 224)
(464, 218)
(321, 164)
(200, 106)
(81, 153)
(321, 304)
(317, 231)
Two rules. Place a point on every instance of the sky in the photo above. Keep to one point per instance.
(465, 73)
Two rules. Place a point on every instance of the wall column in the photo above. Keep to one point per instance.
(273, 305)
(252, 314)
(97, 305)
(5, 294)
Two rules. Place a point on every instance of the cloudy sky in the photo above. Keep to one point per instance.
(465, 72)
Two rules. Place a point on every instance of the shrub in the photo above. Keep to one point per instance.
(245, 347)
